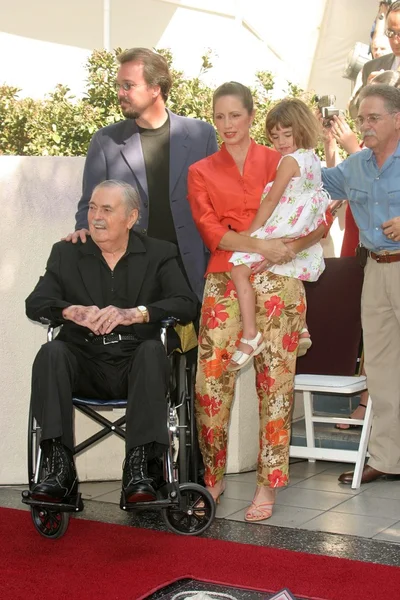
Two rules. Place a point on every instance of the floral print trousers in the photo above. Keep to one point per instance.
(280, 311)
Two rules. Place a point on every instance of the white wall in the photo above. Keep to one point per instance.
(38, 196)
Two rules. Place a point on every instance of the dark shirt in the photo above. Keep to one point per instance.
(114, 285)
(155, 147)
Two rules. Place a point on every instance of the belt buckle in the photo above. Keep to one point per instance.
(384, 257)
(111, 338)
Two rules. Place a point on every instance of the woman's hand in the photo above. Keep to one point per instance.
(335, 205)
(260, 267)
(276, 252)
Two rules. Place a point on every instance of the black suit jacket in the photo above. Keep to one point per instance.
(73, 276)
(383, 62)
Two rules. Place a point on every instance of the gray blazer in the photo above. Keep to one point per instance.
(384, 62)
(115, 152)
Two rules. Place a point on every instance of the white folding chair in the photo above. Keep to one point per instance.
(334, 322)
(343, 386)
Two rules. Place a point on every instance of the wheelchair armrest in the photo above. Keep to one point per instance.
(169, 322)
(50, 330)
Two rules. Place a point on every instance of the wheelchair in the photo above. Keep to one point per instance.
(187, 508)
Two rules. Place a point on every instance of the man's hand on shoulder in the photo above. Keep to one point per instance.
(85, 316)
(107, 319)
(79, 234)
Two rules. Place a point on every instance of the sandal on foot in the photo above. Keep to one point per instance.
(216, 497)
(305, 342)
(264, 511)
(241, 359)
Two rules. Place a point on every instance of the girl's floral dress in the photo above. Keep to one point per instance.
(299, 212)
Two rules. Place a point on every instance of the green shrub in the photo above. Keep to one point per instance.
(62, 125)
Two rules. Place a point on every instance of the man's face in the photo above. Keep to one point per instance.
(380, 46)
(108, 218)
(393, 23)
(378, 127)
(140, 96)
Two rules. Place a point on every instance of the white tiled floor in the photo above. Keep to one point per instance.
(314, 500)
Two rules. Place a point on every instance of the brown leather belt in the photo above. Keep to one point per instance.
(385, 258)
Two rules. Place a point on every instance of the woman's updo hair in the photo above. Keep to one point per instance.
(233, 88)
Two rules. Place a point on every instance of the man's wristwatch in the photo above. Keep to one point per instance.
(145, 313)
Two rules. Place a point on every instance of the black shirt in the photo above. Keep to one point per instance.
(155, 147)
(114, 283)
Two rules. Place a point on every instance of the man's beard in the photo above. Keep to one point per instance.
(129, 113)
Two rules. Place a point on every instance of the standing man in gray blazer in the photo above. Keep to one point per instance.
(152, 150)
(388, 62)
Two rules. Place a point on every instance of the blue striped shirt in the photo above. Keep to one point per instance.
(373, 193)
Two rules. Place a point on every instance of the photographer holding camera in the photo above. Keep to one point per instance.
(371, 181)
(379, 47)
(339, 133)
(388, 62)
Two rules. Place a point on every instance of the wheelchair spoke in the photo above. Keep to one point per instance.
(194, 513)
(49, 523)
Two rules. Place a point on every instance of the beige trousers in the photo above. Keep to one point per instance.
(380, 310)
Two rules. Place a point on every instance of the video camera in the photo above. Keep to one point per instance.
(327, 108)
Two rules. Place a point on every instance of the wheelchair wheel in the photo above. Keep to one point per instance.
(51, 524)
(197, 514)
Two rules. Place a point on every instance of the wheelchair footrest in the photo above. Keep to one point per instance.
(166, 495)
(71, 504)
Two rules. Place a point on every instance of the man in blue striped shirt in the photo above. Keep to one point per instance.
(370, 180)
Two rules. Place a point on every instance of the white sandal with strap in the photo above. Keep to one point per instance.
(242, 358)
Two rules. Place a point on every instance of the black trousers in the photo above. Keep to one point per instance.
(61, 370)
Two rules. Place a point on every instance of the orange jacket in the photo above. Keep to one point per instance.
(221, 199)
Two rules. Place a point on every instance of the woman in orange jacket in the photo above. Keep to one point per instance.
(224, 192)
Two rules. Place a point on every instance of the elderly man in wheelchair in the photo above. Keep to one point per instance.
(110, 296)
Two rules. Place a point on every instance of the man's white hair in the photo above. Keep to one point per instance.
(129, 194)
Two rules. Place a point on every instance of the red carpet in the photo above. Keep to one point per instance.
(97, 561)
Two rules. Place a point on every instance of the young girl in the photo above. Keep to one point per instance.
(292, 206)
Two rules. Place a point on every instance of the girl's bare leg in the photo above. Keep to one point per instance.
(247, 303)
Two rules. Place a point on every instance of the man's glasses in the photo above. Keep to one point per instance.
(370, 120)
(127, 87)
(390, 33)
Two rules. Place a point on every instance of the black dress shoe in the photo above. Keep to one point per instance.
(61, 480)
(369, 474)
(136, 484)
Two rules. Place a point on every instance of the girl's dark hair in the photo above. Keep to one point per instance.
(294, 113)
